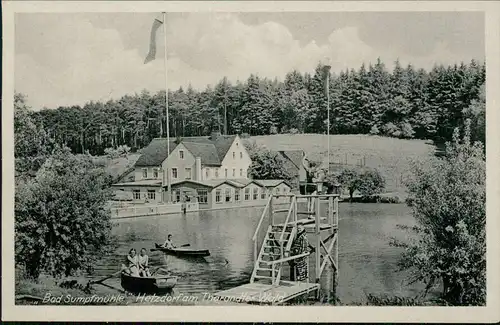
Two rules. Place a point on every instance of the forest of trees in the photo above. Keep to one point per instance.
(405, 103)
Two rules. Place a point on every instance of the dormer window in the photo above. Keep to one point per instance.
(144, 173)
(181, 154)
(234, 155)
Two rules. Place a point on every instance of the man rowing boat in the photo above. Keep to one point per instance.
(168, 243)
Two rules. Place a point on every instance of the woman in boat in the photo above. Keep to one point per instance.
(298, 267)
(168, 243)
(143, 261)
(132, 263)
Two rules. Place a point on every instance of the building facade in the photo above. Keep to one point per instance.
(218, 157)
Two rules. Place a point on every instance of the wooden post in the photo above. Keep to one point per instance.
(271, 214)
(336, 249)
(295, 208)
(255, 250)
(318, 241)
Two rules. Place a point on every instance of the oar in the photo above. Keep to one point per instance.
(159, 249)
(99, 281)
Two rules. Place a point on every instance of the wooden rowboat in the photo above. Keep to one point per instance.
(183, 251)
(154, 284)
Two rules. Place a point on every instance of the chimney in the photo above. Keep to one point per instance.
(198, 168)
(214, 135)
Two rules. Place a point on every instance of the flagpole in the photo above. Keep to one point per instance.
(167, 170)
(327, 90)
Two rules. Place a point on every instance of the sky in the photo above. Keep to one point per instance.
(71, 58)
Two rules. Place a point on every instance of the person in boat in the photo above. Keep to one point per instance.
(143, 262)
(168, 243)
(132, 263)
(298, 267)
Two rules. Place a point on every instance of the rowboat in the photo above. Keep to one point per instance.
(183, 251)
(154, 284)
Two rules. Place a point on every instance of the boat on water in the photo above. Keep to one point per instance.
(184, 251)
(153, 284)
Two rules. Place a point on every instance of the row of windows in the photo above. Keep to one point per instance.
(248, 195)
(187, 173)
(202, 194)
(181, 154)
(151, 194)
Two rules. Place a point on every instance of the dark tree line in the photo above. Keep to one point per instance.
(405, 103)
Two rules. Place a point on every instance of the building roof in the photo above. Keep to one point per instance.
(213, 183)
(155, 153)
(295, 156)
(211, 151)
(269, 182)
(144, 182)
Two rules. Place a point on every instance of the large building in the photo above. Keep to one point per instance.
(211, 170)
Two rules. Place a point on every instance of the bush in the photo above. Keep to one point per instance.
(121, 151)
(407, 130)
(293, 131)
(61, 224)
(273, 130)
(448, 199)
(374, 130)
(245, 136)
(391, 129)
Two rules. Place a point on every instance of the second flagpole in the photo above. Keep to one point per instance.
(167, 170)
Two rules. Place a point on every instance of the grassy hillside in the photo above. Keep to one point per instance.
(391, 156)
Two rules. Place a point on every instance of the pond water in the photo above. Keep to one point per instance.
(367, 263)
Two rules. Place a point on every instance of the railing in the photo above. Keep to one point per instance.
(257, 229)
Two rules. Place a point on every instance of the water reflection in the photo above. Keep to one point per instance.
(367, 263)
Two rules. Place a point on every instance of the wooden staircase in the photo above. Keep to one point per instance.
(276, 244)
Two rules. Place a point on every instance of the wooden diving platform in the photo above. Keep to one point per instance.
(267, 294)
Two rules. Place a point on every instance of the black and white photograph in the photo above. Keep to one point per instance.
(206, 156)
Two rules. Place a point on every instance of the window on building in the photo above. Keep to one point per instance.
(263, 193)
(255, 193)
(237, 195)
(174, 173)
(234, 172)
(177, 195)
(216, 172)
(188, 173)
(228, 195)
(151, 195)
(234, 155)
(225, 172)
(202, 195)
(144, 173)
(218, 196)
(237, 144)
(247, 194)
(245, 173)
(241, 172)
(155, 173)
(241, 155)
(181, 154)
(207, 173)
(276, 190)
(136, 194)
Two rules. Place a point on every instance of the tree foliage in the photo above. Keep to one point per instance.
(61, 224)
(366, 181)
(447, 196)
(404, 102)
(266, 164)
